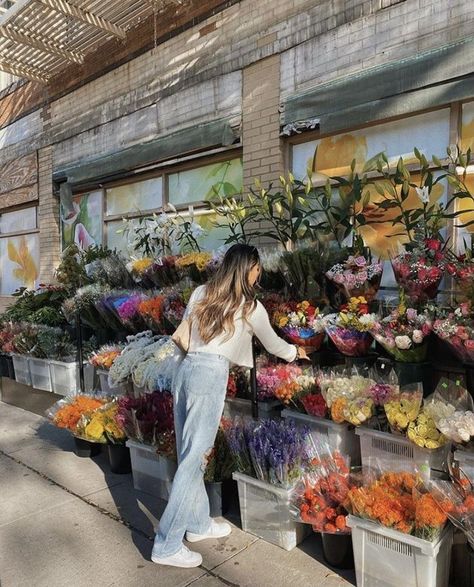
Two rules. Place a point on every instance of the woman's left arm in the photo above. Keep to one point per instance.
(263, 330)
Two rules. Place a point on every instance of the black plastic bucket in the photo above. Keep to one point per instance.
(119, 459)
(337, 550)
(85, 449)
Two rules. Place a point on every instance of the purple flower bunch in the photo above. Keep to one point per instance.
(274, 451)
(149, 419)
(381, 393)
(128, 309)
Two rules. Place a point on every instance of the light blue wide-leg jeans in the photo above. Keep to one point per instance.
(199, 390)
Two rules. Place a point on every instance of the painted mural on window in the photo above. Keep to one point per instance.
(467, 142)
(19, 257)
(197, 185)
(332, 156)
(81, 220)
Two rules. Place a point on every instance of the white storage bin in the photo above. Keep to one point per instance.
(22, 369)
(121, 389)
(40, 374)
(65, 377)
(340, 437)
(393, 452)
(386, 558)
(237, 406)
(152, 473)
(465, 460)
(265, 512)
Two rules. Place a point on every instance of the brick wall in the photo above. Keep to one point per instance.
(48, 217)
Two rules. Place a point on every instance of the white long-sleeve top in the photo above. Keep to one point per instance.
(238, 348)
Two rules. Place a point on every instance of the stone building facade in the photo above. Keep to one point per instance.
(227, 81)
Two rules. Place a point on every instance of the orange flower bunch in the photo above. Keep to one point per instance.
(286, 390)
(104, 360)
(394, 501)
(338, 408)
(69, 415)
(152, 311)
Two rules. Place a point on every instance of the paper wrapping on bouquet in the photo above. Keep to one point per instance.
(305, 337)
(349, 341)
(417, 354)
(420, 284)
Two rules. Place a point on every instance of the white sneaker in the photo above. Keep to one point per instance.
(216, 530)
(184, 558)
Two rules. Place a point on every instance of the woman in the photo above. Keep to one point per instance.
(224, 317)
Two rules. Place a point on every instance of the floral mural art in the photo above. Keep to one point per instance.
(20, 263)
(81, 220)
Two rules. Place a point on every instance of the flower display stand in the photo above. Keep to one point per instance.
(237, 406)
(387, 558)
(340, 437)
(152, 473)
(65, 377)
(265, 512)
(40, 374)
(393, 452)
(22, 369)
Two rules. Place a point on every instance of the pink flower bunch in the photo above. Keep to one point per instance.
(270, 377)
(457, 330)
(357, 276)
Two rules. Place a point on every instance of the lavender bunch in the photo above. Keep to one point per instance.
(238, 434)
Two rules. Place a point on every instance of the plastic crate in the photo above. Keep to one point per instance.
(386, 558)
(265, 512)
(40, 374)
(65, 377)
(122, 389)
(391, 452)
(340, 437)
(22, 369)
(151, 472)
(237, 406)
(465, 461)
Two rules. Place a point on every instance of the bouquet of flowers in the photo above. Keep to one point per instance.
(270, 376)
(277, 450)
(403, 409)
(149, 419)
(105, 356)
(101, 425)
(194, 265)
(134, 355)
(174, 308)
(457, 330)
(301, 323)
(294, 390)
(350, 329)
(66, 413)
(151, 310)
(394, 501)
(357, 277)
(119, 309)
(419, 271)
(8, 332)
(404, 333)
(334, 386)
(314, 404)
(461, 268)
(381, 393)
(272, 275)
(220, 463)
(86, 303)
(161, 272)
(424, 432)
(319, 499)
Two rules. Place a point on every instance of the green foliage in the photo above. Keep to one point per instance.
(221, 462)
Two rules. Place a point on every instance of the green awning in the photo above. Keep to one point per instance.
(203, 136)
(426, 80)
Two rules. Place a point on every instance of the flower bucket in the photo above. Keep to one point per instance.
(86, 449)
(215, 493)
(337, 550)
(119, 459)
(350, 342)
(305, 337)
(414, 373)
(6, 366)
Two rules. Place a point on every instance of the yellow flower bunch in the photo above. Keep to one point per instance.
(141, 265)
(424, 433)
(403, 410)
(282, 321)
(201, 260)
(354, 304)
(101, 425)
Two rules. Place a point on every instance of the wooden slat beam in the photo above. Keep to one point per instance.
(21, 70)
(84, 16)
(41, 43)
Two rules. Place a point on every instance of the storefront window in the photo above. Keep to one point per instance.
(81, 220)
(134, 198)
(19, 250)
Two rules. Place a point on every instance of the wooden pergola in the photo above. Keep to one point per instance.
(39, 38)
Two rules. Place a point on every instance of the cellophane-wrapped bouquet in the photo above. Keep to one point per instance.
(104, 357)
(357, 277)
(66, 413)
(457, 331)
(301, 323)
(274, 451)
(151, 311)
(101, 425)
(350, 329)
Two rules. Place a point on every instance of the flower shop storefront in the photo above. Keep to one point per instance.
(370, 267)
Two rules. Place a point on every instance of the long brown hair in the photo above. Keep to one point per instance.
(215, 313)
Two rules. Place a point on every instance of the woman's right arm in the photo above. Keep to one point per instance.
(263, 330)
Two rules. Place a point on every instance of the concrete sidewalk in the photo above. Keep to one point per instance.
(67, 521)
